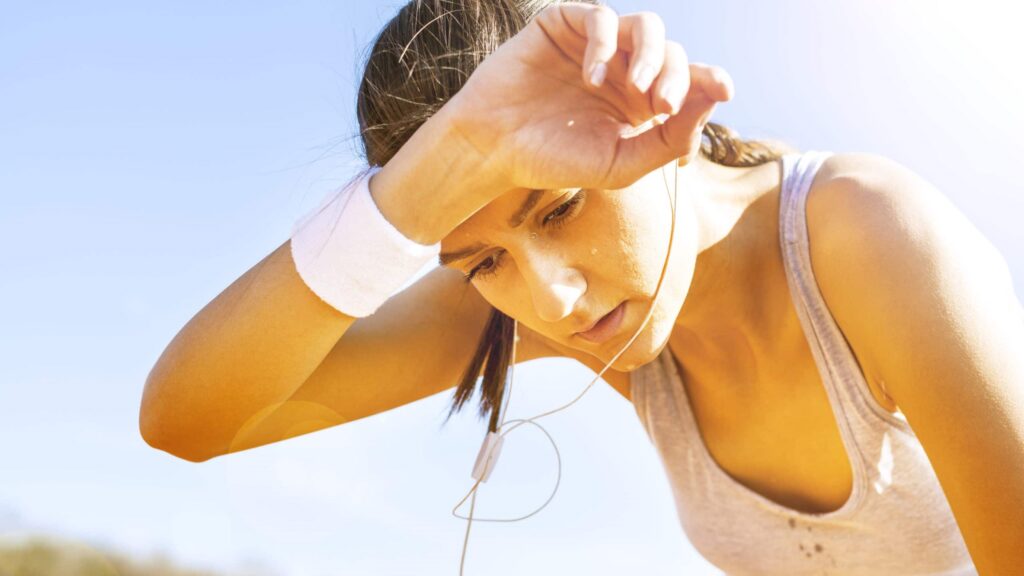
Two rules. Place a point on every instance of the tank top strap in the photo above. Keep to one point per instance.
(854, 406)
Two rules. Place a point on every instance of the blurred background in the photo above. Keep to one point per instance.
(152, 152)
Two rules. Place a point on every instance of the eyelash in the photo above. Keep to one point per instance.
(560, 218)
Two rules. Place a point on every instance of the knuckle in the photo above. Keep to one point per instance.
(550, 13)
(554, 7)
(602, 18)
(603, 22)
(651, 21)
(547, 14)
(602, 11)
(674, 49)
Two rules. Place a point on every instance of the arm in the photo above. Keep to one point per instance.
(248, 350)
(254, 346)
(951, 353)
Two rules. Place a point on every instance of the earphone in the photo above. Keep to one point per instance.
(490, 449)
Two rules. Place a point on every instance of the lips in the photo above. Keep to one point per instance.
(594, 323)
(604, 327)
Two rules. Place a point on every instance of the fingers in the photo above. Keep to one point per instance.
(642, 35)
(602, 30)
(715, 81)
(679, 136)
(647, 32)
(649, 76)
(673, 81)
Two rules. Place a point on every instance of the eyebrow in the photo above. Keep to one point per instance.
(446, 258)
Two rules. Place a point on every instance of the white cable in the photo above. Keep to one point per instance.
(519, 422)
(507, 395)
(473, 490)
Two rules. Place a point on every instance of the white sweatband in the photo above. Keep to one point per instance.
(350, 255)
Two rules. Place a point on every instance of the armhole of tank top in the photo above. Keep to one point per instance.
(861, 386)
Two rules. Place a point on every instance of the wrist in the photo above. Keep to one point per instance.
(350, 255)
(435, 181)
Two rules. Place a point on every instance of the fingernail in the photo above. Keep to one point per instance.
(642, 77)
(598, 73)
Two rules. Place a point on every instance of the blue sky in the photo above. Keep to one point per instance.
(150, 153)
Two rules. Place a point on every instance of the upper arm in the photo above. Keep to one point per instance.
(417, 344)
(929, 304)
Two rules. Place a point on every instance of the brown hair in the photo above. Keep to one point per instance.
(418, 61)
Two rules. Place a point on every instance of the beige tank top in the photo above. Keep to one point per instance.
(897, 519)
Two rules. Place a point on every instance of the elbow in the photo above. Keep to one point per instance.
(162, 429)
(158, 437)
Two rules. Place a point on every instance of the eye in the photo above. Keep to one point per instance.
(558, 215)
(489, 266)
(555, 218)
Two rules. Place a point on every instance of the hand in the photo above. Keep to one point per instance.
(556, 105)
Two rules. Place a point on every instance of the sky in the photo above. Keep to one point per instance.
(151, 153)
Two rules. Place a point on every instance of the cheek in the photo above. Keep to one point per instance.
(642, 226)
(504, 298)
(620, 237)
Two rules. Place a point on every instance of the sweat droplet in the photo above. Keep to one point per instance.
(593, 251)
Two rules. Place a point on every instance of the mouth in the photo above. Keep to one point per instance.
(606, 326)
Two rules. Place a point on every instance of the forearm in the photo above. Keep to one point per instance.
(245, 352)
(435, 181)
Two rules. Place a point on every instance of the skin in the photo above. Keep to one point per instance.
(723, 310)
(885, 246)
(571, 275)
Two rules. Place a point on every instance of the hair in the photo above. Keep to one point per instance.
(417, 62)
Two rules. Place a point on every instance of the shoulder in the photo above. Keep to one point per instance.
(921, 293)
(861, 210)
(884, 241)
(859, 192)
(866, 210)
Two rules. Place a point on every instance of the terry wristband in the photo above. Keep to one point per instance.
(350, 255)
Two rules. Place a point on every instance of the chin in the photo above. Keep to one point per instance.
(658, 331)
(648, 344)
(667, 304)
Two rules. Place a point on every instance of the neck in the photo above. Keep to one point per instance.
(730, 316)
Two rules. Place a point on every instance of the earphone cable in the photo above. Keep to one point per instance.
(507, 393)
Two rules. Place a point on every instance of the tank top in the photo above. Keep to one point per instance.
(896, 520)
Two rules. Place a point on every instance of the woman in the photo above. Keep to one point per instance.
(859, 416)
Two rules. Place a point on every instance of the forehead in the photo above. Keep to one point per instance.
(504, 212)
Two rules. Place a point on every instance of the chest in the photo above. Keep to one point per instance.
(787, 449)
(778, 436)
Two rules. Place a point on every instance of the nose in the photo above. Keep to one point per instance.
(554, 286)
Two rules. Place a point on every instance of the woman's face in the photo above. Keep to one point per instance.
(565, 258)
